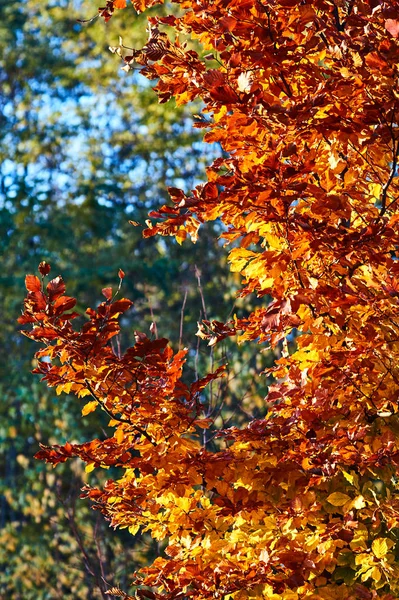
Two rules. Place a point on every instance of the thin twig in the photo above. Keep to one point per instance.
(198, 276)
(197, 355)
(153, 327)
(395, 152)
(99, 552)
(182, 318)
(120, 419)
(70, 515)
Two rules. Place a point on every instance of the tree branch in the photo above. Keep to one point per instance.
(120, 419)
(384, 194)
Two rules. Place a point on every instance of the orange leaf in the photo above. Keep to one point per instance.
(32, 283)
(89, 407)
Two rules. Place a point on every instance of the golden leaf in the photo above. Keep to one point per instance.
(89, 407)
(119, 435)
(381, 546)
(338, 499)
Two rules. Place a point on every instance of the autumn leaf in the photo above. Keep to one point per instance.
(55, 288)
(32, 283)
(381, 547)
(392, 26)
(119, 435)
(89, 407)
(107, 293)
(338, 499)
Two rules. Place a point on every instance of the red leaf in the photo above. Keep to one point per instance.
(55, 288)
(228, 23)
(64, 303)
(120, 306)
(121, 274)
(107, 292)
(47, 333)
(39, 301)
(200, 384)
(374, 61)
(32, 283)
(25, 319)
(176, 194)
(68, 316)
(211, 190)
(55, 454)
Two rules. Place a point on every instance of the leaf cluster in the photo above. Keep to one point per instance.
(302, 503)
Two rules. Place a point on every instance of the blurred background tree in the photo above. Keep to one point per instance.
(85, 147)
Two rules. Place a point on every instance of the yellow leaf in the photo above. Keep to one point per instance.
(119, 435)
(359, 540)
(180, 236)
(381, 546)
(89, 468)
(358, 503)
(184, 504)
(376, 574)
(304, 312)
(266, 283)
(64, 387)
(289, 595)
(114, 500)
(338, 499)
(133, 529)
(238, 258)
(306, 358)
(357, 59)
(217, 116)
(67, 387)
(367, 574)
(345, 72)
(375, 189)
(183, 98)
(89, 407)
(351, 477)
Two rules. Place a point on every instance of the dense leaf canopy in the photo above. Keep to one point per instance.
(303, 98)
